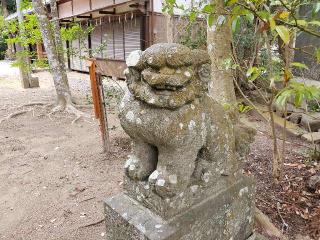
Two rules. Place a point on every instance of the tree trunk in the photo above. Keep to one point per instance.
(219, 48)
(24, 62)
(5, 12)
(169, 27)
(54, 49)
(4, 8)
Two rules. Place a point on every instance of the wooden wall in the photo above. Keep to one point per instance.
(69, 8)
(110, 42)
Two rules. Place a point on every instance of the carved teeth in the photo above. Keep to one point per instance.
(153, 177)
(132, 167)
(160, 182)
(173, 179)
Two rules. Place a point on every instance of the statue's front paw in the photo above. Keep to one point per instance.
(136, 170)
(165, 185)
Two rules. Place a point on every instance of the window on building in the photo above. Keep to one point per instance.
(118, 38)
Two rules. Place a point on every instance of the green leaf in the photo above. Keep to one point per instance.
(302, 22)
(316, 9)
(250, 17)
(284, 15)
(317, 53)
(210, 20)
(314, 22)
(235, 24)
(230, 2)
(253, 73)
(284, 33)
(250, 71)
(299, 65)
(208, 9)
(264, 14)
(272, 23)
(193, 16)
(298, 99)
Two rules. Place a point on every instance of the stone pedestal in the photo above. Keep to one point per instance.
(220, 212)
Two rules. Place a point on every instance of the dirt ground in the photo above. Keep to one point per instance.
(54, 176)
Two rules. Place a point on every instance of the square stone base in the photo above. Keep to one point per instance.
(226, 214)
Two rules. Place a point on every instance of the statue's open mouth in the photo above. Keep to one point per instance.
(165, 82)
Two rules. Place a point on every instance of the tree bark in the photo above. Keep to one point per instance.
(24, 62)
(5, 11)
(219, 48)
(169, 27)
(54, 49)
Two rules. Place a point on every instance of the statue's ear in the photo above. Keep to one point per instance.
(134, 60)
(132, 75)
(204, 72)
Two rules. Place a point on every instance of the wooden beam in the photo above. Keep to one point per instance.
(83, 17)
(107, 12)
(63, 1)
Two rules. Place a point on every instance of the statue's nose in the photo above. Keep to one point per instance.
(167, 70)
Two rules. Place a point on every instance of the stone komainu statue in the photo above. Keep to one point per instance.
(180, 134)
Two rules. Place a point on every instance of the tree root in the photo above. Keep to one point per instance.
(93, 224)
(69, 108)
(34, 104)
(265, 223)
(12, 115)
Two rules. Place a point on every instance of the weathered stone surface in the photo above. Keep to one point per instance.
(34, 82)
(312, 119)
(184, 172)
(257, 236)
(223, 215)
(295, 118)
(178, 131)
(314, 182)
(312, 137)
(280, 110)
(196, 192)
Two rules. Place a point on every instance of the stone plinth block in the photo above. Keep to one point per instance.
(225, 214)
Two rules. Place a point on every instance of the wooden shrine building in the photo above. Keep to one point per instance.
(122, 26)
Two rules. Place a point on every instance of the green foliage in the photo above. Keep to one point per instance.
(40, 63)
(25, 33)
(75, 31)
(296, 93)
(193, 35)
(254, 72)
(26, 4)
(264, 21)
(3, 47)
(242, 108)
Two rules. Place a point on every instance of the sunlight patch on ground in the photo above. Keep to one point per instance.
(9, 82)
(9, 76)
